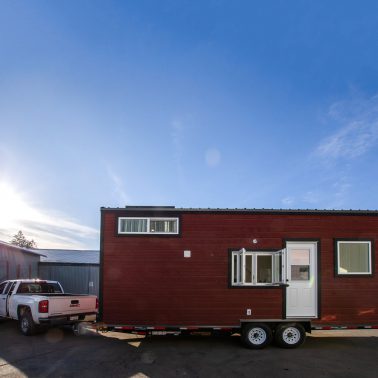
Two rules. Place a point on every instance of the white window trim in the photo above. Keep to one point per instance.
(148, 226)
(339, 272)
(240, 268)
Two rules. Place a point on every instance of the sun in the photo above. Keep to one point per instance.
(12, 206)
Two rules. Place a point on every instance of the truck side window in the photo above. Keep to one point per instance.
(9, 288)
(23, 288)
(2, 287)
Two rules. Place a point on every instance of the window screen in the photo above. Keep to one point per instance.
(163, 226)
(133, 225)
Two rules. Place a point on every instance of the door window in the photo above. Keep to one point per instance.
(300, 265)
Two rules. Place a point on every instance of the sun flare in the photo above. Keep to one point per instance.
(15, 211)
(11, 205)
(49, 228)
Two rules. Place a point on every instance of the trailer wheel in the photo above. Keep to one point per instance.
(290, 335)
(26, 323)
(256, 335)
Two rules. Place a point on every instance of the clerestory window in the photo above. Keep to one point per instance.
(132, 225)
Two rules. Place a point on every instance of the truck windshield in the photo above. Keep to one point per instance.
(39, 287)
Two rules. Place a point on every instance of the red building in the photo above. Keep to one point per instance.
(164, 266)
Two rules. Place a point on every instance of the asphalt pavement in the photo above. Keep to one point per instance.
(60, 353)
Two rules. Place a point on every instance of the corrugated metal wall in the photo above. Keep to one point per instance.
(15, 263)
(75, 278)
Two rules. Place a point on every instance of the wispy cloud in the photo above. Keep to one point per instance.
(308, 199)
(358, 132)
(341, 191)
(288, 201)
(118, 186)
(49, 228)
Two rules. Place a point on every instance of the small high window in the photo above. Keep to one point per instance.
(353, 257)
(148, 225)
(256, 268)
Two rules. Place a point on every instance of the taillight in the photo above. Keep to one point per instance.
(96, 303)
(43, 306)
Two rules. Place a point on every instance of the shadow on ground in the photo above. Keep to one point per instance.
(59, 353)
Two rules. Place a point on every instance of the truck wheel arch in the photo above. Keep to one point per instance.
(25, 321)
(21, 310)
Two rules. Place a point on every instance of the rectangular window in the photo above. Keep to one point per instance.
(264, 268)
(300, 265)
(148, 225)
(132, 225)
(248, 269)
(235, 269)
(353, 257)
(38, 287)
(167, 226)
(256, 268)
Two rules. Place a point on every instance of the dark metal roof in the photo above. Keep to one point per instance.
(72, 256)
(244, 210)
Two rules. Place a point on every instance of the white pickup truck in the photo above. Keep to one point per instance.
(39, 303)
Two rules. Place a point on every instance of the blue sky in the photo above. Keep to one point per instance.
(257, 104)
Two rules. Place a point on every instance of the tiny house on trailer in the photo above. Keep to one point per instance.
(262, 273)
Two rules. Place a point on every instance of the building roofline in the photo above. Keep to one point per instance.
(68, 250)
(244, 210)
(27, 250)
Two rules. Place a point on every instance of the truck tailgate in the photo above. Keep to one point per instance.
(74, 304)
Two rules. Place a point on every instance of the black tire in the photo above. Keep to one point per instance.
(290, 335)
(256, 335)
(26, 324)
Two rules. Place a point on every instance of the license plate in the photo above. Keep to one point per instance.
(74, 318)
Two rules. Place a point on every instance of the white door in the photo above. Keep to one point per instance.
(301, 276)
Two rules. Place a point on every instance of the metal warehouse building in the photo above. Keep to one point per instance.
(76, 270)
(17, 262)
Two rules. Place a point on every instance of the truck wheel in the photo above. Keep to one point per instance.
(290, 335)
(26, 323)
(256, 336)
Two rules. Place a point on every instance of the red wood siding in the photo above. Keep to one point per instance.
(147, 280)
